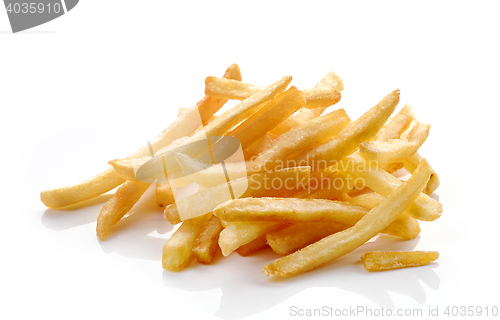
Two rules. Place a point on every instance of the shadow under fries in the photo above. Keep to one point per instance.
(141, 233)
(75, 215)
(246, 291)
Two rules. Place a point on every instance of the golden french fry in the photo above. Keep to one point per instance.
(164, 194)
(268, 117)
(259, 146)
(109, 179)
(153, 167)
(304, 115)
(118, 205)
(348, 140)
(237, 234)
(332, 80)
(206, 200)
(380, 261)
(209, 176)
(405, 226)
(292, 237)
(289, 210)
(393, 130)
(395, 149)
(308, 135)
(321, 96)
(253, 246)
(206, 244)
(229, 89)
(396, 125)
(425, 208)
(411, 164)
(341, 243)
(178, 250)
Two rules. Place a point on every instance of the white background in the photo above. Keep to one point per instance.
(100, 81)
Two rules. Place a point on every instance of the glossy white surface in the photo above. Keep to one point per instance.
(100, 81)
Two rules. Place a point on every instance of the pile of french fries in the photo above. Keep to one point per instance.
(311, 186)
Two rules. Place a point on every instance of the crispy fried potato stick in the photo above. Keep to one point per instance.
(206, 200)
(164, 194)
(348, 140)
(178, 250)
(396, 149)
(253, 246)
(331, 80)
(218, 127)
(109, 179)
(341, 243)
(319, 97)
(289, 210)
(308, 135)
(425, 208)
(411, 164)
(393, 130)
(268, 117)
(405, 226)
(292, 237)
(380, 261)
(259, 146)
(209, 176)
(237, 234)
(118, 205)
(396, 125)
(206, 244)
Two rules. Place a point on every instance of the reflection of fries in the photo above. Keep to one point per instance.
(379, 261)
(341, 243)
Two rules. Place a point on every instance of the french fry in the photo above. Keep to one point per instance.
(209, 176)
(289, 210)
(393, 130)
(164, 194)
(425, 208)
(396, 149)
(317, 97)
(206, 200)
(237, 234)
(411, 164)
(178, 250)
(348, 140)
(118, 205)
(341, 243)
(153, 168)
(331, 80)
(206, 244)
(380, 261)
(396, 125)
(303, 116)
(268, 117)
(405, 226)
(253, 246)
(308, 135)
(259, 146)
(109, 179)
(292, 237)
